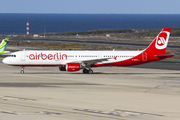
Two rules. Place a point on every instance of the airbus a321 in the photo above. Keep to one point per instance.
(85, 60)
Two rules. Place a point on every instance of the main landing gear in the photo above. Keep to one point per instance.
(22, 71)
(86, 71)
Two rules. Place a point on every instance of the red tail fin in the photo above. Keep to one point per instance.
(159, 44)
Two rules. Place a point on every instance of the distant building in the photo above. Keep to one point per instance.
(35, 35)
(107, 35)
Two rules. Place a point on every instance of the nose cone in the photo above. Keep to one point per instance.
(5, 61)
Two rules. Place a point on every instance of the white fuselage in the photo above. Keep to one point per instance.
(58, 58)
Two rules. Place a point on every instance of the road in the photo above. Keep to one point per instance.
(167, 64)
(109, 94)
(143, 92)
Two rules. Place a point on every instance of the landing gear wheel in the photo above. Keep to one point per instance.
(90, 71)
(85, 71)
(22, 71)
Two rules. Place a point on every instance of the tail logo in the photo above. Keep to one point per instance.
(162, 40)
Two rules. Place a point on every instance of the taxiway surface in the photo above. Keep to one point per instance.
(111, 93)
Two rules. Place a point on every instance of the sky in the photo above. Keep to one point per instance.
(91, 6)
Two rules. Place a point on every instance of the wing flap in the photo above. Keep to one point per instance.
(92, 61)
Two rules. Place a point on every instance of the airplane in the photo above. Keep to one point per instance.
(3, 46)
(85, 60)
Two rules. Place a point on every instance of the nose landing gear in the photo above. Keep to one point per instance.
(22, 71)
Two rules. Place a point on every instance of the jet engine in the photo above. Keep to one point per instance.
(70, 67)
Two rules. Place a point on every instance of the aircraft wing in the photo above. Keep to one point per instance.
(92, 61)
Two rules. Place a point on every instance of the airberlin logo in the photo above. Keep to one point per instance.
(56, 56)
(162, 39)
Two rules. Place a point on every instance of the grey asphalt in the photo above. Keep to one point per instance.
(167, 64)
(110, 94)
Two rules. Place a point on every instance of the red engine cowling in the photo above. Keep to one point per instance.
(72, 67)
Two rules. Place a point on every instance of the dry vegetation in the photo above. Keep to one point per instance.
(122, 33)
(64, 46)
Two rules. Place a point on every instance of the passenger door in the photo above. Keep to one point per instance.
(23, 56)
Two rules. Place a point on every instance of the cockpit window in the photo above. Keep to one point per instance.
(11, 55)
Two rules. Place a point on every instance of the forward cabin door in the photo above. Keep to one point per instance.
(23, 56)
(99, 55)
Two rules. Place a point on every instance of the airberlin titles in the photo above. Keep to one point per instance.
(56, 56)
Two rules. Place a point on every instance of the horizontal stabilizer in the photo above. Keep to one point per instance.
(165, 55)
